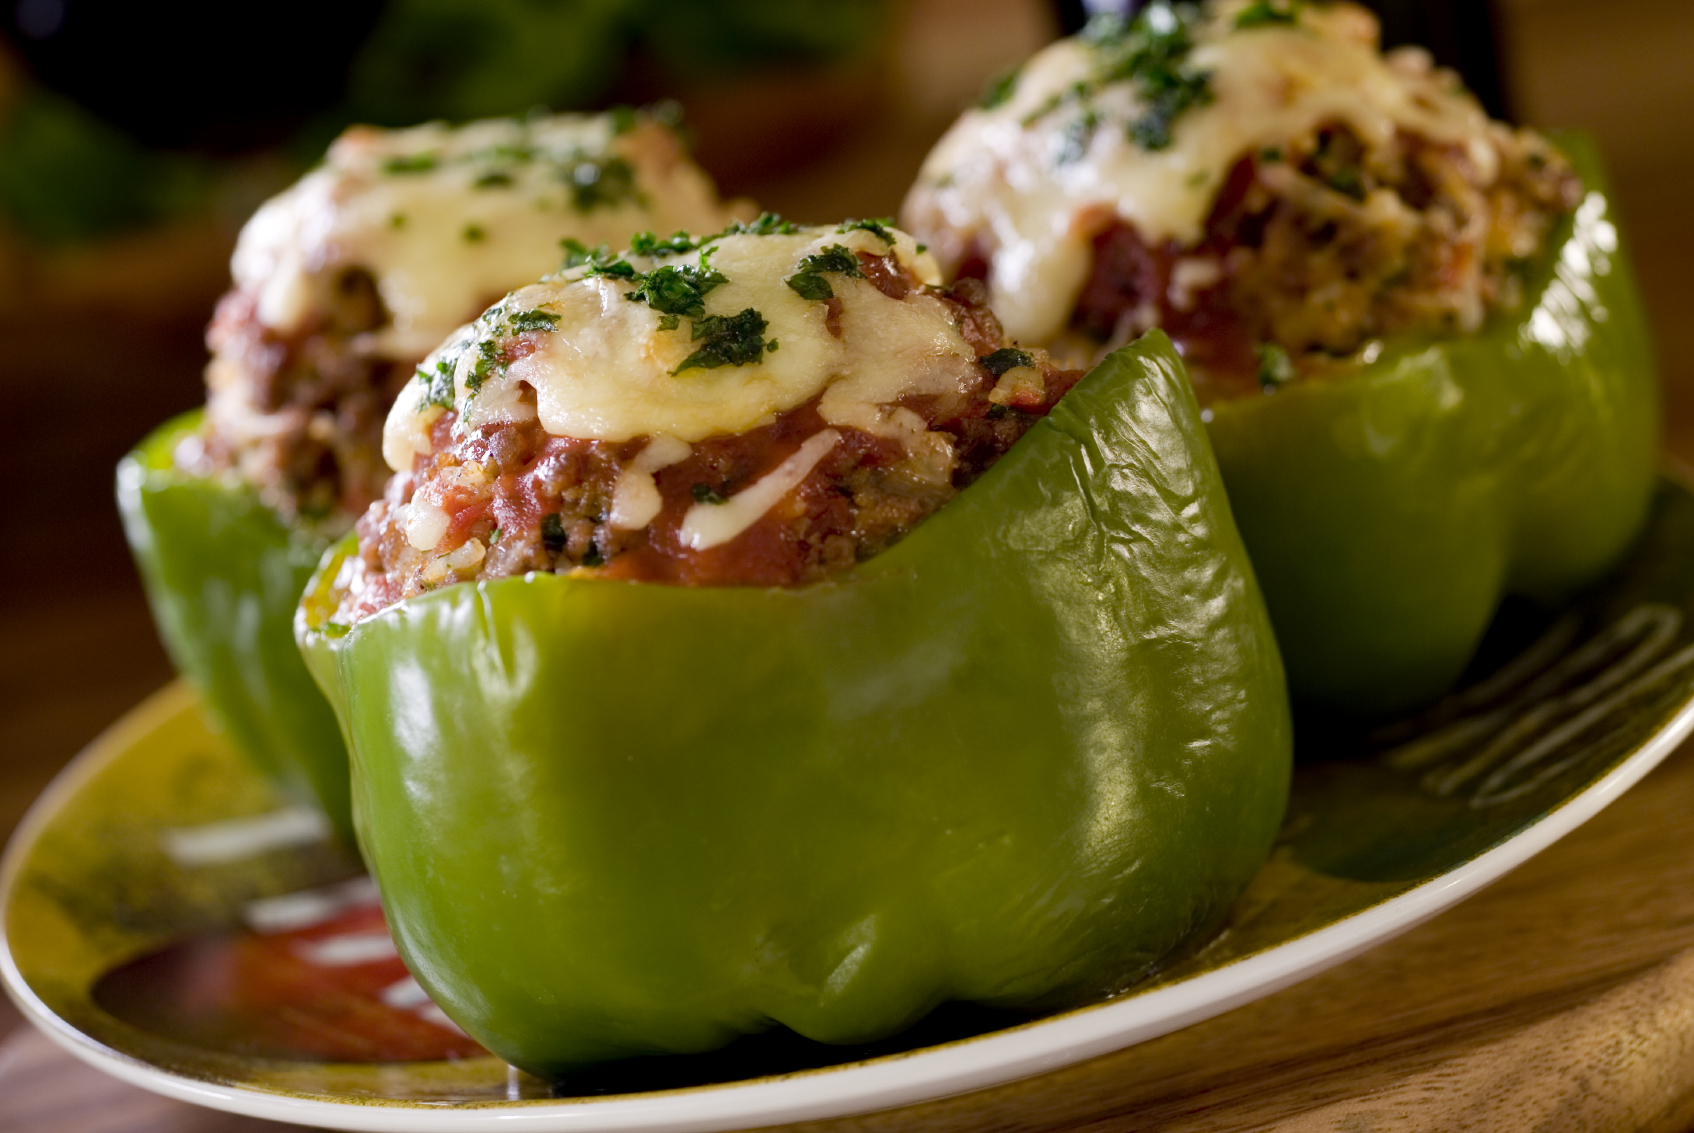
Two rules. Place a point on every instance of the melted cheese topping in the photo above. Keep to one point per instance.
(1001, 177)
(610, 370)
(446, 220)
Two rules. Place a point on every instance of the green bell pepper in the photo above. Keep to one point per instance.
(1389, 510)
(223, 575)
(1016, 759)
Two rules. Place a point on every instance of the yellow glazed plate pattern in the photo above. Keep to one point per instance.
(169, 918)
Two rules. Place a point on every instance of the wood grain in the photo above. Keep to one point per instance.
(1560, 998)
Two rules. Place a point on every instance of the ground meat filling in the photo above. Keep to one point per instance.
(313, 404)
(1314, 249)
(510, 499)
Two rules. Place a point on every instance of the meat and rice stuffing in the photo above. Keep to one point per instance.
(346, 280)
(763, 406)
(1253, 177)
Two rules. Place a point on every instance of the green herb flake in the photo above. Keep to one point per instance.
(1151, 52)
(577, 254)
(553, 533)
(647, 244)
(809, 282)
(494, 537)
(1348, 183)
(438, 384)
(494, 179)
(706, 494)
(727, 340)
(677, 290)
(536, 320)
(623, 119)
(999, 90)
(474, 234)
(1270, 155)
(1167, 98)
(877, 226)
(592, 557)
(1276, 368)
(397, 220)
(489, 360)
(811, 287)
(995, 412)
(768, 224)
(411, 163)
(669, 322)
(1003, 359)
(505, 153)
(1078, 134)
(1268, 13)
(601, 182)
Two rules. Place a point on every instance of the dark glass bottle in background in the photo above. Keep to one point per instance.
(1461, 34)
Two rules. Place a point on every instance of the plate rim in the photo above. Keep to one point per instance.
(889, 1082)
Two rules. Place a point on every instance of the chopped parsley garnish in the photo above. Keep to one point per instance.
(624, 119)
(577, 253)
(1268, 13)
(601, 182)
(727, 340)
(553, 533)
(1276, 368)
(1077, 136)
(592, 557)
(676, 291)
(494, 179)
(488, 360)
(877, 226)
(397, 220)
(676, 244)
(1000, 89)
(1003, 359)
(474, 234)
(616, 268)
(411, 163)
(1168, 94)
(1347, 182)
(768, 224)
(706, 494)
(506, 153)
(995, 412)
(537, 319)
(1150, 51)
(1270, 155)
(438, 384)
(809, 282)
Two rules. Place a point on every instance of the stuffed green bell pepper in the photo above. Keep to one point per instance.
(223, 574)
(341, 285)
(670, 720)
(1412, 329)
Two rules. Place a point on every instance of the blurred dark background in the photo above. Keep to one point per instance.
(134, 139)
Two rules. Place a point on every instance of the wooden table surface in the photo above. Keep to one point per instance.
(1561, 998)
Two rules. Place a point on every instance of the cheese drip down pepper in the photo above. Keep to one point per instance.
(1015, 759)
